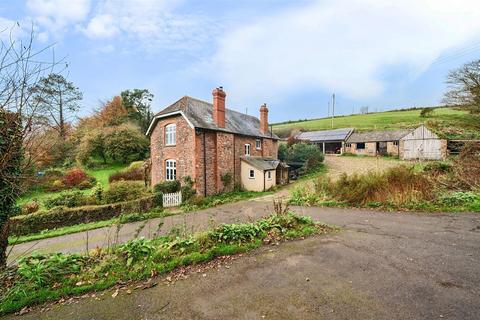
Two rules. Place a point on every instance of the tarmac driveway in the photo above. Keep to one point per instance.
(381, 266)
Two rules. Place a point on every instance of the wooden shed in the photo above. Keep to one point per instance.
(422, 143)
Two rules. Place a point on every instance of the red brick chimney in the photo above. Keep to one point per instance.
(264, 119)
(219, 106)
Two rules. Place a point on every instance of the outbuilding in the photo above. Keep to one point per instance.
(261, 173)
(328, 141)
(409, 144)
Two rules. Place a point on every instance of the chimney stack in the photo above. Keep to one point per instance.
(264, 119)
(219, 106)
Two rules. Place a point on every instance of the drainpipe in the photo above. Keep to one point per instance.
(264, 183)
(204, 166)
(233, 162)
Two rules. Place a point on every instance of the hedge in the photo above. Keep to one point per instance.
(62, 216)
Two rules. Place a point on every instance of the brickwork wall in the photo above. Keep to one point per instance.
(182, 151)
(210, 162)
(224, 159)
(392, 149)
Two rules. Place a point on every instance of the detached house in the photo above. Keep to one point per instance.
(210, 143)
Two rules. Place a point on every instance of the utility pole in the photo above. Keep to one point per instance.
(333, 108)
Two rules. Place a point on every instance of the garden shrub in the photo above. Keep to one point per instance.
(437, 167)
(64, 216)
(158, 199)
(168, 186)
(56, 185)
(124, 191)
(69, 199)
(97, 192)
(30, 207)
(133, 173)
(85, 185)
(187, 189)
(74, 177)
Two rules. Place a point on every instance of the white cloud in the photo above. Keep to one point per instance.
(340, 45)
(55, 16)
(149, 24)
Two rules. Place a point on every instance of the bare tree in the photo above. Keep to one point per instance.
(58, 98)
(21, 68)
(464, 87)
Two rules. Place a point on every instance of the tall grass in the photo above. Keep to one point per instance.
(398, 186)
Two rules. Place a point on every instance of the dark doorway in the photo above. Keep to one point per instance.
(382, 148)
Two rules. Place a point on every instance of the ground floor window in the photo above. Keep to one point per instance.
(251, 174)
(269, 175)
(171, 170)
(395, 143)
(361, 146)
(348, 145)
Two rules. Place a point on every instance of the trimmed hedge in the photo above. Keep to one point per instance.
(62, 216)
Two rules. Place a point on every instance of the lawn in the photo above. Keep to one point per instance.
(101, 175)
(447, 122)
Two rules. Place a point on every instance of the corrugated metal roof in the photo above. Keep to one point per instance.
(261, 163)
(378, 136)
(200, 114)
(325, 135)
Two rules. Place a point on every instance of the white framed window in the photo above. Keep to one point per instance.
(247, 149)
(171, 134)
(170, 170)
(395, 143)
(258, 144)
(269, 175)
(251, 174)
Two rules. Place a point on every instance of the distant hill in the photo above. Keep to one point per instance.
(447, 122)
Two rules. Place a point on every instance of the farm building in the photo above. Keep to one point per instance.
(329, 141)
(419, 143)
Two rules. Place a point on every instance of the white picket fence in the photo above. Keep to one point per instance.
(172, 199)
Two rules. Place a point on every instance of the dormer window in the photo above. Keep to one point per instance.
(247, 149)
(171, 134)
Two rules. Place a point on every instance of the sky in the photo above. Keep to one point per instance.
(291, 55)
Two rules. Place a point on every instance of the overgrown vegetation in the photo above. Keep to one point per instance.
(437, 186)
(45, 277)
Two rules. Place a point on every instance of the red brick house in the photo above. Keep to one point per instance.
(207, 141)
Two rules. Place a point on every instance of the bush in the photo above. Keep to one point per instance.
(74, 177)
(124, 191)
(187, 189)
(459, 198)
(97, 192)
(30, 207)
(158, 199)
(69, 199)
(63, 216)
(167, 186)
(130, 174)
(438, 167)
(56, 185)
(85, 185)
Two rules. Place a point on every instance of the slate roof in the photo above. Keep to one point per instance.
(200, 114)
(325, 135)
(261, 163)
(378, 136)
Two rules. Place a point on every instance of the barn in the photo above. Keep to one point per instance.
(328, 141)
(419, 143)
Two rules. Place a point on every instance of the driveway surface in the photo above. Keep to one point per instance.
(381, 266)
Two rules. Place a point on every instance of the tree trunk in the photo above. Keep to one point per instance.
(4, 231)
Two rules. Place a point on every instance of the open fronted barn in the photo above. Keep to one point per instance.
(329, 141)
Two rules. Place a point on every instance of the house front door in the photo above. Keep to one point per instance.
(382, 148)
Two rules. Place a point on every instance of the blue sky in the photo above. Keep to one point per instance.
(289, 54)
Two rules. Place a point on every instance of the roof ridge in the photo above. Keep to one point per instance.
(229, 109)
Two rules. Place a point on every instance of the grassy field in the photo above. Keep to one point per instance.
(100, 174)
(447, 122)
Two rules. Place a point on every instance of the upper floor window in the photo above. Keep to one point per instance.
(247, 149)
(258, 144)
(170, 170)
(171, 134)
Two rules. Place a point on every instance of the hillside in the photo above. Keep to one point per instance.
(447, 122)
